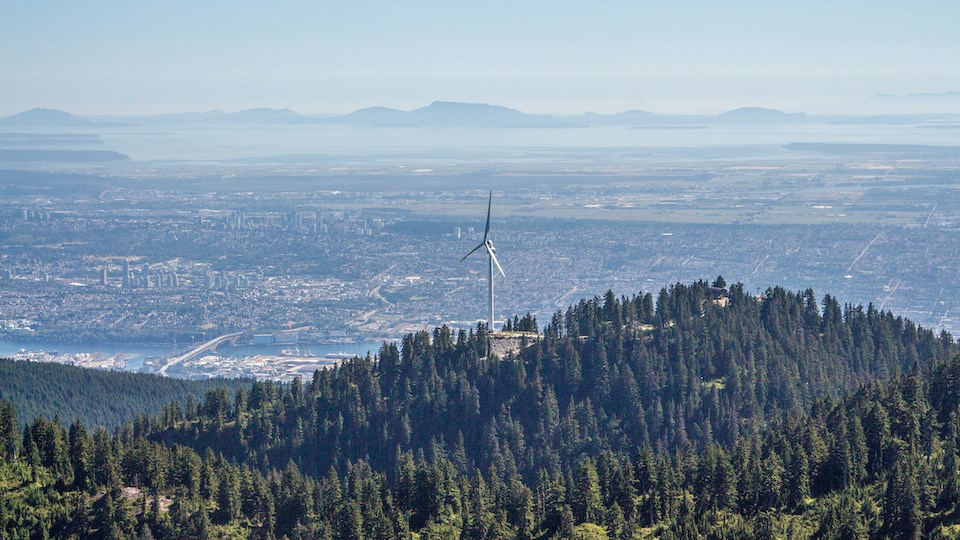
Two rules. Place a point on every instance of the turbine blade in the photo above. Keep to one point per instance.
(495, 261)
(489, 204)
(471, 252)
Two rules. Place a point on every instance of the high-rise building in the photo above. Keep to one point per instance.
(126, 274)
(103, 276)
(238, 220)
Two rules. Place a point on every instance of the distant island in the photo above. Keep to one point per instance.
(43, 118)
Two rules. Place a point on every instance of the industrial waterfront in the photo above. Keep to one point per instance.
(275, 362)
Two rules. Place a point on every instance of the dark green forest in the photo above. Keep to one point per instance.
(96, 397)
(698, 413)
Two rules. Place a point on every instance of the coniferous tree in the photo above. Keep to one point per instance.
(901, 504)
(586, 501)
(228, 495)
(8, 430)
(950, 494)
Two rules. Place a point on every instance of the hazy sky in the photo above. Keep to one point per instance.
(140, 57)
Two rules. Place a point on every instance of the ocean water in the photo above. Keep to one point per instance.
(214, 143)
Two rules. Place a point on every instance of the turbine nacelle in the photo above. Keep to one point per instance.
(491, 252)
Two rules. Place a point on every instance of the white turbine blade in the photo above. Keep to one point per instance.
(495, 261)
(471, 252)
(489, 204)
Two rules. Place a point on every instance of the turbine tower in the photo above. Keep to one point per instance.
(491, 255)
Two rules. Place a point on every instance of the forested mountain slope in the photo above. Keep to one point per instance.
(97, 397)
(703, 414)
(609, 374)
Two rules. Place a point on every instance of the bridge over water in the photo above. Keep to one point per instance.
(198, 350)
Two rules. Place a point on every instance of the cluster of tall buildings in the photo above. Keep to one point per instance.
(297, 220)
(471, 233)
(302, 221)
(222, 281)
(39, 215)
(144, 278)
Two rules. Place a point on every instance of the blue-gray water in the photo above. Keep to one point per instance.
(197, 143)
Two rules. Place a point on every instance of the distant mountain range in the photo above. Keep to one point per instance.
(42, 118)
(752, 115)
(447, 113)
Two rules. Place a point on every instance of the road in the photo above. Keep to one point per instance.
(209, 345)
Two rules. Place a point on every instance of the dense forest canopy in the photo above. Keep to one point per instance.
(701, 412)
(96, 397)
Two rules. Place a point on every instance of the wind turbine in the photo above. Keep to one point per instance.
(491, 255)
